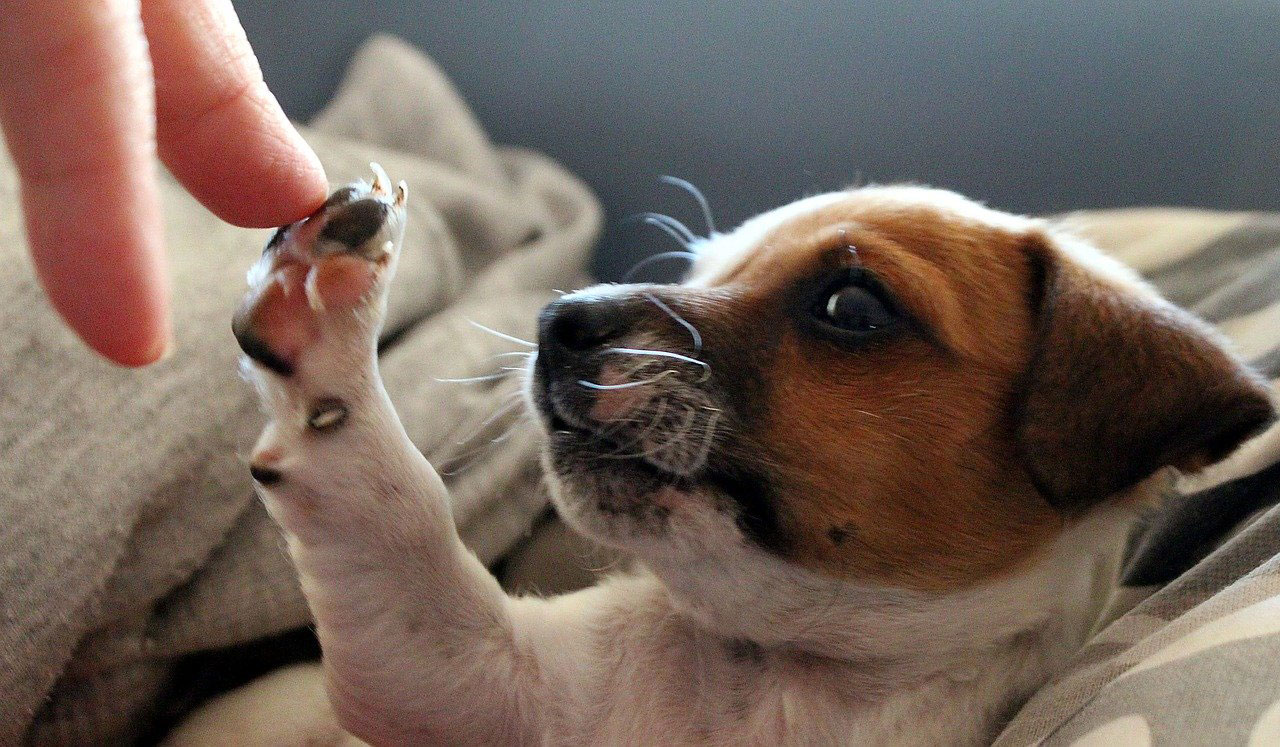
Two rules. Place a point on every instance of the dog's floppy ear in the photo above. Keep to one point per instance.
(1121, 384)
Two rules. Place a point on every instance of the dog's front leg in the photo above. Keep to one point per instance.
(418, 638)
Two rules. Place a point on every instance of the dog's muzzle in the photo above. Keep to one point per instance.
(574, 326)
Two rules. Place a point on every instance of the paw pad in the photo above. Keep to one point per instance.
(337, 259)
(327, 415)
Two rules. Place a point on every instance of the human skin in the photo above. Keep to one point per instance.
(90, 92)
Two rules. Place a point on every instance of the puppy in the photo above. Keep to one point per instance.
(877, 456)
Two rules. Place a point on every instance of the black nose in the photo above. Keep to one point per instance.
(577, 324)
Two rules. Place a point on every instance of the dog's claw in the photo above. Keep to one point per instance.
(380, 178)
(312, 291)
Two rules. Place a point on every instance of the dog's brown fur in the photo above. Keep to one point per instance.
(949, 456)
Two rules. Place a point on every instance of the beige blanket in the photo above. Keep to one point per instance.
(129, 532)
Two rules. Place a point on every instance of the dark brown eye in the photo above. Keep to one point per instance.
(856, 309)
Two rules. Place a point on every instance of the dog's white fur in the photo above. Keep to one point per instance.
(718, 642)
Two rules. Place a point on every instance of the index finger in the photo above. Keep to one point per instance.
(76, 106)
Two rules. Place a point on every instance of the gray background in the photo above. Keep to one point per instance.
(1031, 106)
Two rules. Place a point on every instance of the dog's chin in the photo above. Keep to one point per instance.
(617, 499)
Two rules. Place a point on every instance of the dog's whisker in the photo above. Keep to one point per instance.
(472, 379)
(689, 187)
(636, 371)
(673, 228)
(656, 447)
(708, 438)
(653, 423)
(609, 567)
(657, 354)
(459, 463)
(674, 441)
(680, 438)
(653, 258)
(504, 371)
(513, 429)
(516, 423)
(634, 418)
(693, 331)
(502, 410)
(907, 418)
(627, 385)
(502, 335)
(706, 368)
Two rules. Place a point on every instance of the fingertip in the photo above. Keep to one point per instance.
(123, 331)
(267, 176)
(293, 185)
(313, 182)
(102, 266)
(276, 178)
(136, 351)
(124, 319)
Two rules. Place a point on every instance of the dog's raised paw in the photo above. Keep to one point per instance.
(319, 270)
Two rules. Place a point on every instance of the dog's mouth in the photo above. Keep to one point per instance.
(654, 420)
(625, 482)
(598, 443)
(601, 474)
(671, 442)
(577, 445)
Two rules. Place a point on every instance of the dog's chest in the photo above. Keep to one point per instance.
(742, 696)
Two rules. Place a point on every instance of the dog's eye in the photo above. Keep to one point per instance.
(856, 309)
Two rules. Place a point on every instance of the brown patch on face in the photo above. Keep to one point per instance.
(902, 461)
(892, 462)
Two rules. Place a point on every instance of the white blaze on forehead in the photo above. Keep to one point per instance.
(601, 291)
(1102, 266)
(721, 254)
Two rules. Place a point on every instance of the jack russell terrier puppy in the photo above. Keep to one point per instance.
(877, 456)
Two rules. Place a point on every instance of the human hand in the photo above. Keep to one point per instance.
(84, 111)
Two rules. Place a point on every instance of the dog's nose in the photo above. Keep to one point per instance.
(577, 324)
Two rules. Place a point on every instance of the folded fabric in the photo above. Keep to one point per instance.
(129, 532)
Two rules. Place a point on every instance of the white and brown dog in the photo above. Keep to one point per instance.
(877, 456)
